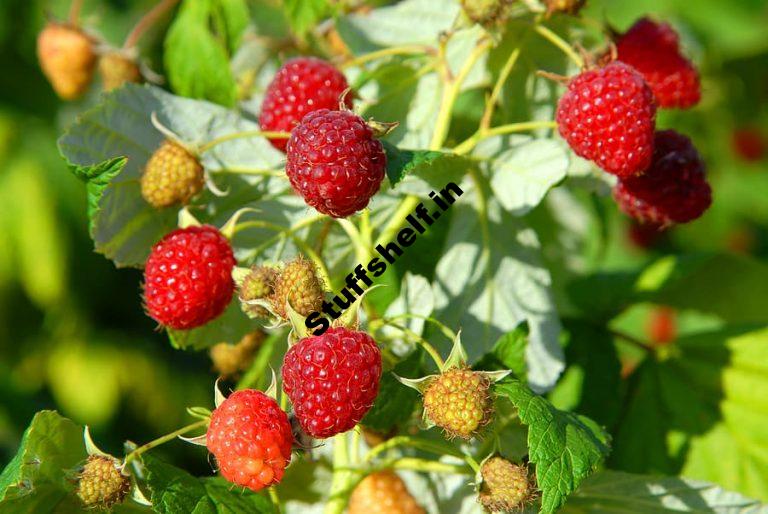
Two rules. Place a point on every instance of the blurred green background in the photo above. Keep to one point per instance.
(72, 332)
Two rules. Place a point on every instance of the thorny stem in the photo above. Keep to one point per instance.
(240, 135)
(447, 332)
(560, 43)
(386, 52)
(74, 12)
(164, 439)
(149, 19)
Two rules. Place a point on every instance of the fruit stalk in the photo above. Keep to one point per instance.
(561, 44)
(161, 440)
(147, 21)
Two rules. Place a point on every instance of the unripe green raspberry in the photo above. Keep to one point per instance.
(486, 12)
(506, 486)
(458, 401)
(101, 484)
(172, 176)
(231, 359)
(298, 284)
(564, 6)
(257, 285)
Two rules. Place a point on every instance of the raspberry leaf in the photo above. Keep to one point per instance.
(174, 490)
(34, 477)
(710, 388)
(490, 278)
(395, 403)
(565, 447)
(123, 225)
(207, 76)
(231, 326)
(614, 491)
(522, 175)
(426, 170)
(303, 15)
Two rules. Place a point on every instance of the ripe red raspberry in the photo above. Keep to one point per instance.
(301, 86)
(334, 162)
(653, 50)
(607, 115)
(187, 277)
(332, 380)
(672, 190)
(251, 438)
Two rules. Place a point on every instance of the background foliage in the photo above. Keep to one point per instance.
(73, 336)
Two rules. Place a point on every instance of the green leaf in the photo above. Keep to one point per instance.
(303, 15)
(195, 59)
(522, 175)
(401, 163)
(406, 23)
(565, 447)
(173, 490)
(395, 402)
(230, 327)
(730, 286)
(97, 179)
(36, 478)
(235, 16)
(610, 492)
(491, 278)
(508, 353)
(591, 384)
(701, 410)
(124, 226)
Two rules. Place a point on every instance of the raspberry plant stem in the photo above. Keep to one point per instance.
(342, 476)
(561, 44)
(421, 342)
(240, 135)
(161, 440)
(74, 12)
(469, 144)
(149, 19)
(404, 440)
(490, 106)
(386, 52)
(451, 89)
(428, 466)
(273, 496)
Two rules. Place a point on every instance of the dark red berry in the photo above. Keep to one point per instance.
(674, 189)
(301, 86)
(749, 144)
(187, 277)
(653, 50)
(608, 116)
(334, 162)
(332, 380)
(251, 438)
